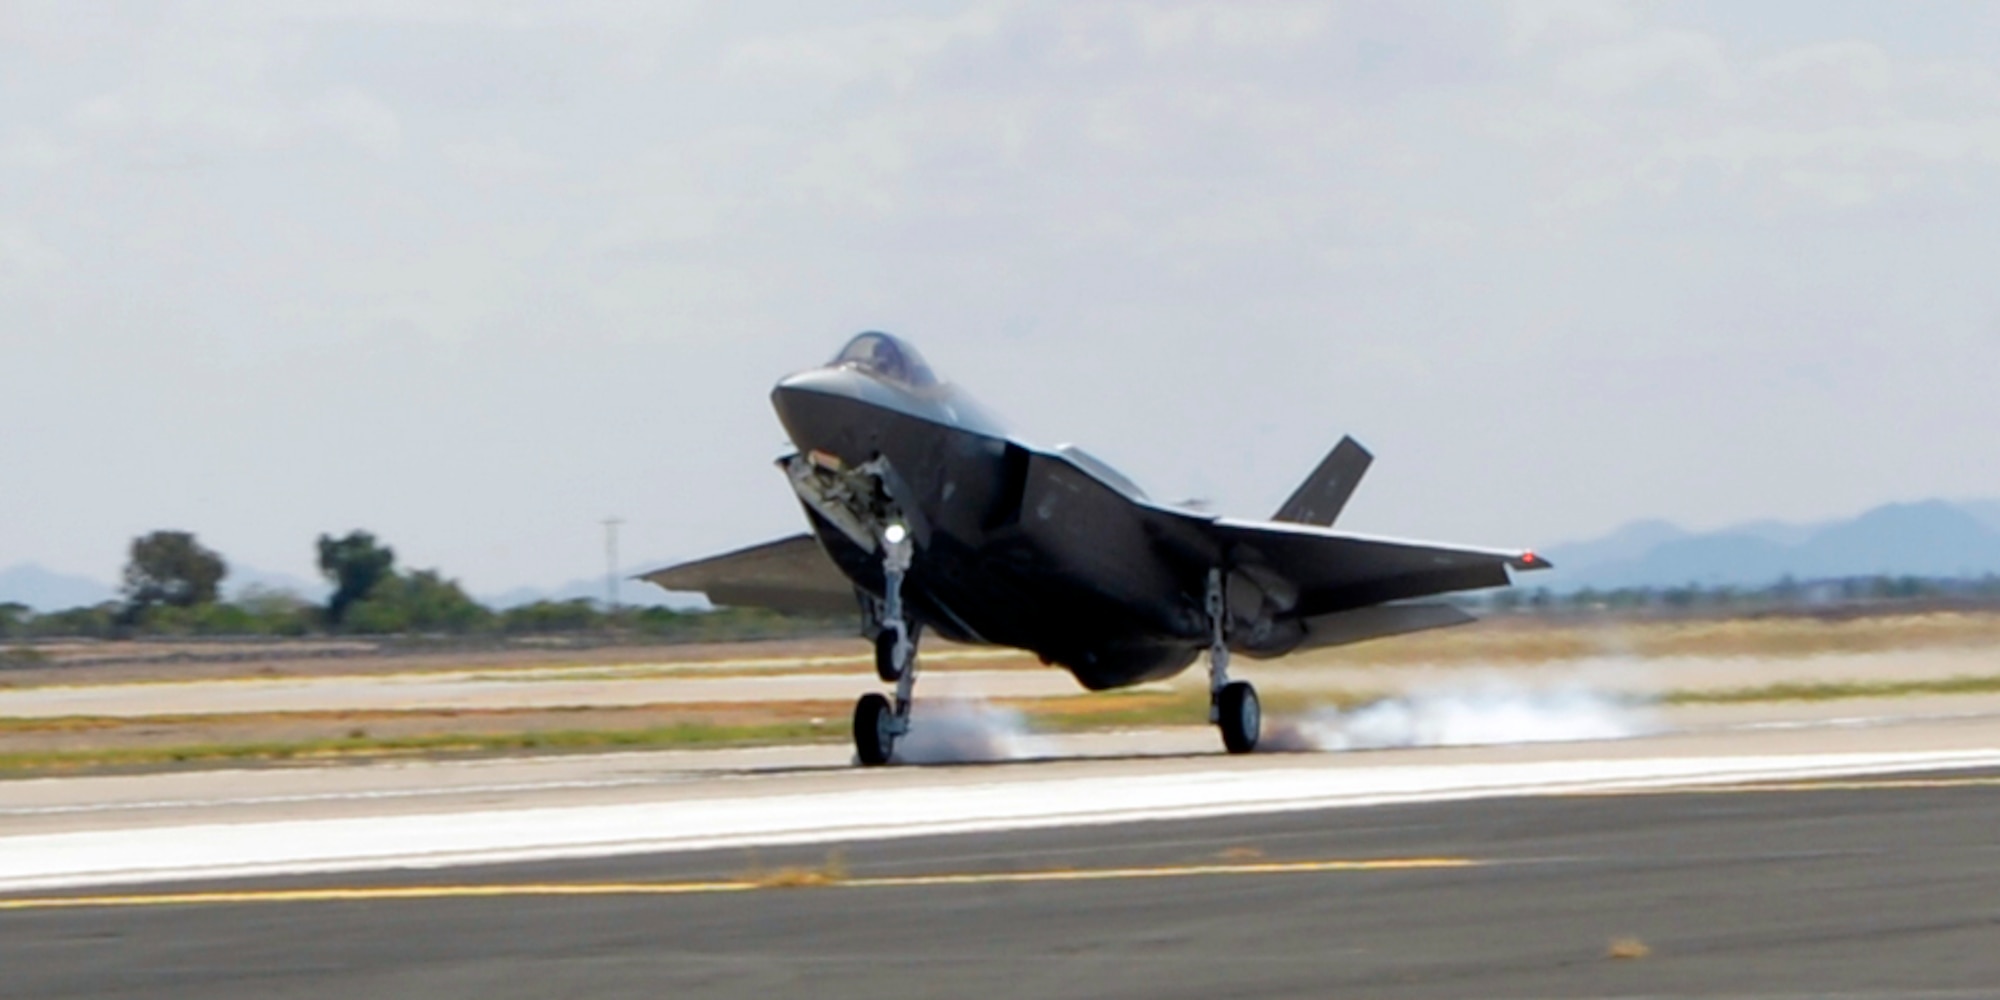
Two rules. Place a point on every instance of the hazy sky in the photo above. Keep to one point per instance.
(475, 275)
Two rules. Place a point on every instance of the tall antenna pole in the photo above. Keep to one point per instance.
(611, 563)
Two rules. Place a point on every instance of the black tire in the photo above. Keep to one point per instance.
(886, 666)
(874, 740)
(1240, 716)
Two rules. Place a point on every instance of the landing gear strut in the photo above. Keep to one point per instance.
(1232, 705)
(878, 723)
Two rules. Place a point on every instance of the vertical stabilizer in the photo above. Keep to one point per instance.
(1320, 499)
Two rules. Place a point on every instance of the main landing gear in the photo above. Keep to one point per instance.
(1232, 705)
(877, 722)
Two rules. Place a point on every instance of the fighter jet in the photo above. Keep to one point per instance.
(927, 515)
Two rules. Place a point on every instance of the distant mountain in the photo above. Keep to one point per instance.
(1987, 511)
(1628, 542)
(47, 590)
(1780, 532)
(1931, 538)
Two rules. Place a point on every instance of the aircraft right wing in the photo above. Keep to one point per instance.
(1328, 571)
(1319, 586)
(792, 574)
(1342, 588)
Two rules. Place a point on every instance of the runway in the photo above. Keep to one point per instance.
(1821, 850)
(1861, 887)
(111, 830)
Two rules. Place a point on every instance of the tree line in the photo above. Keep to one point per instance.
(172, 586)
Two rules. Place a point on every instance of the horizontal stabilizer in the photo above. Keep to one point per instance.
(1325, 493)
(791, 575)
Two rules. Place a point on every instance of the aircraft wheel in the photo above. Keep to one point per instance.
(886, 666)
(1240, 716)
(874, 729)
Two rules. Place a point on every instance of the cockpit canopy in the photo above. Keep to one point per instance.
(886, 357)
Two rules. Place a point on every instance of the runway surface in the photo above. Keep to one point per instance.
(111, 830)
(1859, 887)
(1840, 849)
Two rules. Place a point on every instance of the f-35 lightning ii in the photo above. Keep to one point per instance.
(928, 515)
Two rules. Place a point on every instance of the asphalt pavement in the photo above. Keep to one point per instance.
(1855, 887)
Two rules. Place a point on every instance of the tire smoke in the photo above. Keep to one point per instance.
(1491, 712)
(966, 730)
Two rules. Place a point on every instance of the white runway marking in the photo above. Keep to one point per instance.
(901, 809)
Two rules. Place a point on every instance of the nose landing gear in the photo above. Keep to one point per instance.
(864, 503)
(878, 723)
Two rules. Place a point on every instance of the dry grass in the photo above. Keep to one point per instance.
(86, 731)
(100, 742)
(1500, 641)
(687, 735)
(832, 872)
(81, 743)
(1838, 690)
(1627, 949)
(137, 662)
(1518, 641)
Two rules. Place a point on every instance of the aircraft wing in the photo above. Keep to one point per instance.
(792, 574)
(1319, 587)
(1343, 588)
(1328, 571)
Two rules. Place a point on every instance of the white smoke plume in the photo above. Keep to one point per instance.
(964, 730)
(1490, 712)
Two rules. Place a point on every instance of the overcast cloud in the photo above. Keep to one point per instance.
(475, 275)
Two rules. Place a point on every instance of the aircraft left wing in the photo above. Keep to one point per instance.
(792, 574)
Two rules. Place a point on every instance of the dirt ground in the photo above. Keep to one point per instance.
(1500, 641)
(155, 660)
(71, 734)
(1672, 654)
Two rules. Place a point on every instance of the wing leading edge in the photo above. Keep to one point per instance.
(792, 575)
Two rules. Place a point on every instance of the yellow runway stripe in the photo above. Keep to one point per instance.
(416, 892)
(1183, 871)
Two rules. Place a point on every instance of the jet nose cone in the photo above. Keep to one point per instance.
(816, 405)
(807, 388)
(825, 381)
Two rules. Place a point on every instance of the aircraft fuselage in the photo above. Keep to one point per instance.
(1079, 589)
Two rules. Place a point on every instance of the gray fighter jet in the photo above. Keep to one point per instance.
(928, 515)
